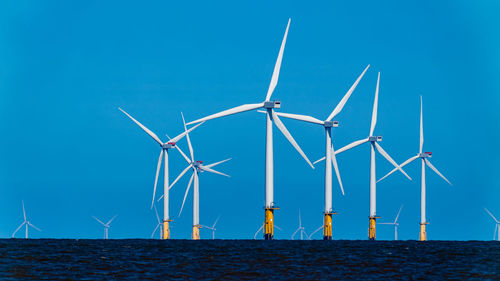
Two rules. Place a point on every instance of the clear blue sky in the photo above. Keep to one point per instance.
(67, 151)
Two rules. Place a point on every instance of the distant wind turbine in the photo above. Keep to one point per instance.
(497, 226)
(424, 157)
(197, 167)
(301, 229)
(395, 223)
(374, 146)
(26, 223)
(212, 228)
(165, 147)
(262, 226)
(106, 225)
(271, 117)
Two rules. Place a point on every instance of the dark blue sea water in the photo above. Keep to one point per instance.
(137, 259)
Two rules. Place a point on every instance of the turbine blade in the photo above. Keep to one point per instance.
(496, 230)
(337, 172)
(397, 216)
(277, 66)
(386, 156)
(314, 232)
(17, 229)
(182, 153)
(385, 223)
(185, 194)
(295, 233)
(217, 163)
(187, 138)
(213, 171)
(491, 215)
(234, 110)
(99, 221)
(24, 211)
(279, 228)
(351, 145)
(402, 165)
(375, 108)
(213, 226)
(179, 137)
(149, 132)
(152, 234)
(157, 216)
(30, 224)
(300, 221)
(436, 171)
(255, 235)
(319, 160)
(111, 220)
(299, 117)
(287, 134)
(180, 176)
(158, 167)
(342, 102)
(421, 126)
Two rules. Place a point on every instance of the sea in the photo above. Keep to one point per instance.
(141, 259)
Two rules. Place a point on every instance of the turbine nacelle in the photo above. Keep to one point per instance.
(272, 104)
(425, 155)
(168, 145)
(375, 138)
(329, 124)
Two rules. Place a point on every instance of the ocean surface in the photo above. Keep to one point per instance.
(140, 259)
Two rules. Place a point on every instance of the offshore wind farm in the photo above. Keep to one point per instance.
(238, 108)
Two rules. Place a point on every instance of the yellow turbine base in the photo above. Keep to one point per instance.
(166, 230)
(327, 227)
(269, 224)
(423, 235)
(196, 232)
(371, 228)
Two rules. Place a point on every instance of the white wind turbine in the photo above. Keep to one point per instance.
(159, 225)
(301, 229)
(329, 153)
(395, 223)
(424, 157)
(212, 228)
(271, 117)
(26, 223)
(106, 225)
(497, 226)
(197, 167)
(165, 146)
(373, 140)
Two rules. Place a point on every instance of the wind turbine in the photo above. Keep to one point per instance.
(271, 117)
(165, 146)
(395, 223)
(497, 225)
(212, 228)
(159, 225)
(424, 157)
(26, 223)
(261, 227)
(301, 229)
(197, 167)
(373, 140)
(106, 225)
(329, 154)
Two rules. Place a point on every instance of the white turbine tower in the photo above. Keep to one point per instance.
(395, 223)
(301, 229)
(26, 223)
(106, 225)
(329, 154)
(497, 226)
(159, 225)
(373, 140)
(424, 157)
(165, 146)
(197, 167)
(271, 117)
(212, 228)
